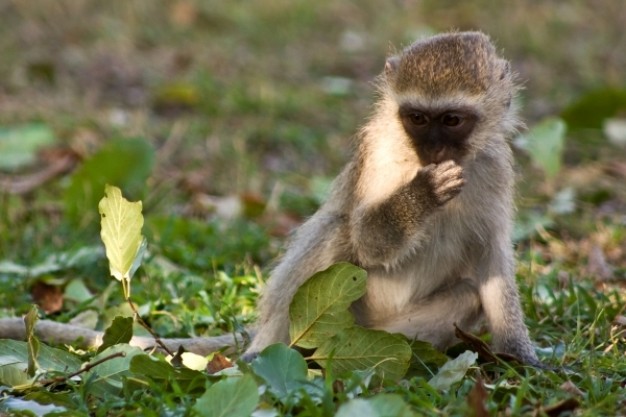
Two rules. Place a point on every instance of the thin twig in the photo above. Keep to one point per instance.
(61, 379)
(143, 324)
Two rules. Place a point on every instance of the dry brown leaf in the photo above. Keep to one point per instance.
(571, 388)
(183, 13)
(218, 363)
(477, 345)
(566, 405)
(48, 297)
(597, 266)
(620, 321)
(477, 400)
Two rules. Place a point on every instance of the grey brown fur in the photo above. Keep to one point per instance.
(425, 205)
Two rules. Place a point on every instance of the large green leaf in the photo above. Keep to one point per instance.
(544, 143)
(157, 369)
(109, 376)
(120, 331)
(319, 309)
(359, 348)
(231, 397)
(124, 162)
(427, 359)
(593, 108)
(281, 367)
(121, 223)
(14, 361)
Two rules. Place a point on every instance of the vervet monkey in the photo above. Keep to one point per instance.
(425, 205)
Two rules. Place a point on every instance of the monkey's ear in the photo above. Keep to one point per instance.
(391, 65)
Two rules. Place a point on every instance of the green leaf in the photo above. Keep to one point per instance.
(592, 109)
(157, 369)
(86, 256)
(319, 309)
(383, 405)
(231, 397)
(427, 359)
(544, 143)
(108, 377)
(33, 343)
(453, 371)
(121, 223)
(281, 367)
(19, 145)
(120, 331)
(14, 358)
(124, 162)
(358, 348)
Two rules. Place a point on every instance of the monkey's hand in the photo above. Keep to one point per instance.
(439, 183)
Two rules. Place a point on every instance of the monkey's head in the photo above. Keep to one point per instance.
(444, 88)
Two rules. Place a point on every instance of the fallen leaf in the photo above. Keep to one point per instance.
(48, 297)
(620, 321)
(477, 400)
(561, 407)
(477, 345)
(597, 266)
(183, 13)
(453, 371)
(571, 388)
(218, 363)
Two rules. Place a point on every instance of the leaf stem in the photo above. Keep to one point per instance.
(143, 324)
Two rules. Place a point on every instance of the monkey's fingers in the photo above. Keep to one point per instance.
(448, 181)
(449, 190)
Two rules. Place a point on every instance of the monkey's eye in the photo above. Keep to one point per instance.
(451, 120)
(418, 119)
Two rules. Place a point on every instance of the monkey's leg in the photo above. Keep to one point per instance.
(315, 247)
(432, 319)
(500, 300)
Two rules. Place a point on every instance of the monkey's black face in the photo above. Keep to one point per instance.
(438, 134)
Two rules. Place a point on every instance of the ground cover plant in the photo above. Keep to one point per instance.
(227, 121)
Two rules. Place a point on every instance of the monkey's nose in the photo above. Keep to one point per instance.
(440, 156)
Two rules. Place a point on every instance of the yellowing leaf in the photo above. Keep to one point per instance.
(192, 361)
(121, 222)
(319, 309)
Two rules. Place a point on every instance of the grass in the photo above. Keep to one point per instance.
(249, 110)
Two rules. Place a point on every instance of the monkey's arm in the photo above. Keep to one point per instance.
(388, 231)
(83, 338)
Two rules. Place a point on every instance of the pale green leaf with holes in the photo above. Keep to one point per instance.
(319, 309)
(358, 348)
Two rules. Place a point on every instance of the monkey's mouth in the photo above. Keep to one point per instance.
(437, 157)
